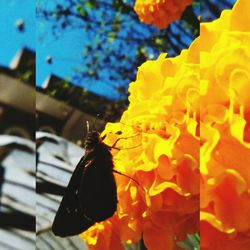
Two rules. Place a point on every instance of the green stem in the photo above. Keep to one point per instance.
(142, 246)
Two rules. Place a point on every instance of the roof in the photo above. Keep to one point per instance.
(21, 207)
(17, 193)
(22, 66)
(57, 159)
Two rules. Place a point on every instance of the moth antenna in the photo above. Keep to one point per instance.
(87, 125)
(126, 148)
(93, 123)
(117, 172)
(86, 136)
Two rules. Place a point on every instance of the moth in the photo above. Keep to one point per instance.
(91, 194)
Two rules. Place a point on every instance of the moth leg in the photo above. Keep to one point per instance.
(87, 165)
(122, 138)
(126, 148)
(120, 173)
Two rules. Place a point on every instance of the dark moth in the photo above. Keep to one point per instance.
(91, 193)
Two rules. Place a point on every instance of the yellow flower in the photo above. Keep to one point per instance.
(161, 153)
(225, 130)
(160, 13)
(103, 235)
(189, 111)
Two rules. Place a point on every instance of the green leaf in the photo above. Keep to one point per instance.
(191, 243)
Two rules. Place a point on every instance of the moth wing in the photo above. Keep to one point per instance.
(98, 195)
(69, 219)
(90, 196)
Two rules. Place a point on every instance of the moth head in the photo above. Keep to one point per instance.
(92, 140)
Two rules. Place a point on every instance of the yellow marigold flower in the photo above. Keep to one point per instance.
(103, 235)
(225, 130)
(161, 152)
(160, 13)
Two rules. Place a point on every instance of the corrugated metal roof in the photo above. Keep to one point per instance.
(17, 193)
(56, 161)
(22, 210)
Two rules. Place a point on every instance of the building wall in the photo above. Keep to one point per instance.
(62, 119)
(17, 107)
(23, 109)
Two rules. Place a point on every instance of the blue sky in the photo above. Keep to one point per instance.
(11, 39)
(65, 51)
